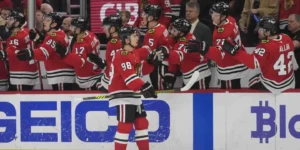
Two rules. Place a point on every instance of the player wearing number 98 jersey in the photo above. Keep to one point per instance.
(229, 70)
(124, 87)
(274, 56)
(59, 74)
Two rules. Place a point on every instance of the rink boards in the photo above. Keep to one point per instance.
(199, 121)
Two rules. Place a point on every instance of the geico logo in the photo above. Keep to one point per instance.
(111, 8)
(67, 121)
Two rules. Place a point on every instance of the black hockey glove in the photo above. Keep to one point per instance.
(164, 50)
(95, 59)
(229, 47)
(42, 35)
(155, 58)
(61, 50)
(3, 55)
(169, 80)
(32, 34)
(25, 54)
(197, 46)
(148, 91)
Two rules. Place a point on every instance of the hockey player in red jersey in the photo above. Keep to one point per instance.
(59, 74)
(111, 25)
(155, 37)
(84, 56)
(23, 74)
(165, 16)
(188, 62)
(229, 70)
(124, 82)
(3, 70)
(274, 56)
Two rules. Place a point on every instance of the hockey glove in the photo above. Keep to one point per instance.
(32, 34)
(42, 36)
(229, 47)
(148, 91)
(197, 46)
(3, 55)
(25, 54)
(95, 59)
(155, 58)
(164, 50)
(61, 50)
(168, 81)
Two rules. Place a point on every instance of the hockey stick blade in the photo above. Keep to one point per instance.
(191, 82)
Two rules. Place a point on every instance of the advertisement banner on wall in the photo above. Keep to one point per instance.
(101, 9)
(257, 121)
(60, 122)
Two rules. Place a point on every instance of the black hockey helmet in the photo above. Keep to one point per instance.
(182, 25)
(125, 32)
(221, 8)
(56, 18)
(18, 17)
(269, 24)
(153, 10)
(81, 23)
(113, 20)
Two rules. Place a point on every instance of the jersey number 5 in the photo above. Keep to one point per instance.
(281, 65)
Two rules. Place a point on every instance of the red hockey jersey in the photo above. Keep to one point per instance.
(158, 36)
(228, 68)
(87, 73)
(274, 58)
(112, 46)
(21, 72)
(164, 19)
(175, 7)
(57, 70)
(125, 72)
(4, 73)
(189, 62)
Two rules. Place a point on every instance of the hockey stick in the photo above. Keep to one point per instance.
(98, 97)
(191, 82)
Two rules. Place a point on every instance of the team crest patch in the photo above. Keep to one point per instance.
(220, 30)
(80, 40)
(264, 41)
(53, 34)
(14, 34)
(182, 39)
(123, 53)
(113, 41)
(151, 31)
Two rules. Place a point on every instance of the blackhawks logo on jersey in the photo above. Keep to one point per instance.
(113, 41)
(80, 40)
(53, 34)
(123, 53)
(220, 30)
(151, 31)
(182, 39)
(14, 34)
